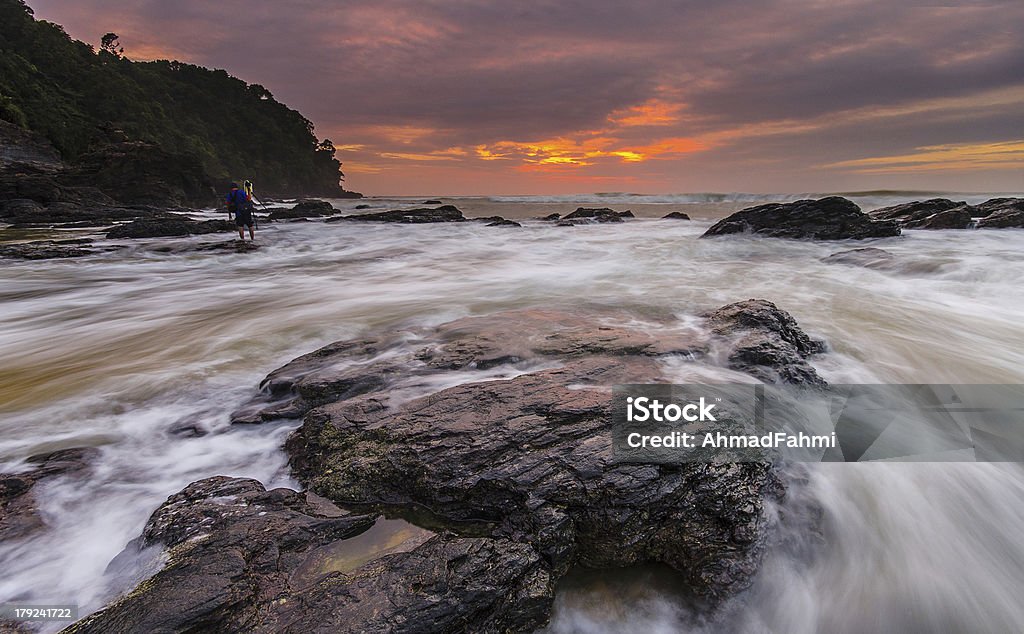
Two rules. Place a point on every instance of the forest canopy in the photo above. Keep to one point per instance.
(78, 97)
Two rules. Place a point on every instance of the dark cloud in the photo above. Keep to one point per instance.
(468, 72)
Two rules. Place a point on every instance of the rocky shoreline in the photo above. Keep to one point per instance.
(510, 475)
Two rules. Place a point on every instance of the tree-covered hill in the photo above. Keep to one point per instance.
(80, 99)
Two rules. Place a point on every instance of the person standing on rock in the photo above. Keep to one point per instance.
(239, 202)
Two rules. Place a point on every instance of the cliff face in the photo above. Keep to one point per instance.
(18, 145)
(88, 105)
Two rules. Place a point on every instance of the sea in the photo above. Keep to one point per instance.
(122, 350)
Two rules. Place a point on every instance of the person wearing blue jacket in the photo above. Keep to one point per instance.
(239, 203)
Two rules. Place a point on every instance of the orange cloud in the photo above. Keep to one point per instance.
(450, 154)
(561, 151)
(959, 157)
(654, 112)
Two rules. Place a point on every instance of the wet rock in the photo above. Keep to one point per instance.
(994, 205)
(830, 218)
(936, 213)
(243, 559)
(169, 227)
(532, 456)
(1002, 213)
(67, 214)
(444, 213)
(346, 369)
(503, 222)
(364, 206)
(432, 202)
(587, 215)
(304, 209)
(959, 218)
(766, 342)
(524, 457)
(588, 212)
(870, 257)
(47, 249)
(675, 215)
(551, 217)
(233, 246)
(19, 506)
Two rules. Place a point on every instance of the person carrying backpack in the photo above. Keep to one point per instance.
(239, 202)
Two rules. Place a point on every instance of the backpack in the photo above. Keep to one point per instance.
(234, 206)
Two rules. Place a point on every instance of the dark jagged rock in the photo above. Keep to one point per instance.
(830, 218)
(169, 226)
(533, 458)
(529, 456)
(959, 218)
(587, 215)
(1002, 213)
(675, 215)
(588, 212)
(19, 508)
(444, 213)
(936, 213)
(432, 202)
(363, 206)
(47, 249)
(243, 559)
(766, 342)
(305, 209)
(551, 217)
(518, 474)
(870, 257)
(915, 210)
(994, 205)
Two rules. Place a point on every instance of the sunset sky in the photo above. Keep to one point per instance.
(472, 97)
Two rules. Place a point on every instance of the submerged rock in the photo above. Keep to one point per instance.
(831, 218)
(936, 213)
(675, 215)
(243, 559)
(19, 506)
(870, 257)
(503, 222)
(235, 246)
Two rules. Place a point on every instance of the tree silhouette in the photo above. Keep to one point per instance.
(111, 44)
